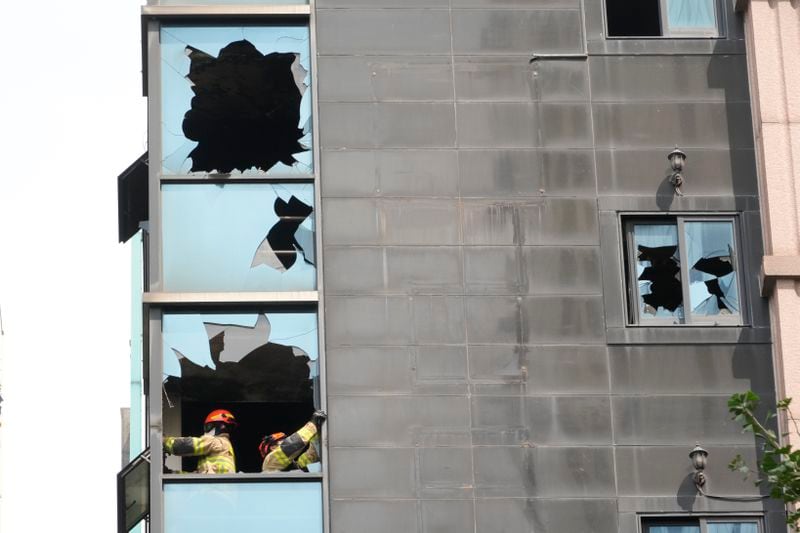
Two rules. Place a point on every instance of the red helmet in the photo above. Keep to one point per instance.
(270, 441)
(221, 415)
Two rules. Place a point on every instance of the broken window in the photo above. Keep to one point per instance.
(701, 525)
(682, 270)
(261, 366)
(238, 237)
(662, 18)
(658, 270)
(712, 275)
(235, 100)
(243, 507)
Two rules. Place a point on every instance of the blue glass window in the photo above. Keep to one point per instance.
(732, 527)
(683, 270)
(229, 2)
(236, 100)
(238, 237)
(243, 507)
(658, 270)
(674, 529)
(712, 262)
(691, 16)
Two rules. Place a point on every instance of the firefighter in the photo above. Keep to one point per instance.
(298, 450)
(214, 448)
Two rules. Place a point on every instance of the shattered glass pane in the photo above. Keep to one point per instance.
(243, 507)
(658, 271)
(235, 357)
(713, 284)
(238, 237)
(235, 100)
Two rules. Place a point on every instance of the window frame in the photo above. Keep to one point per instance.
(156, 301)
(667, 33)
(632, 296)
(646, 522)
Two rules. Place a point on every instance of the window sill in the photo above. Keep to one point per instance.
(242, 477)
(679, 334)
(665, 46)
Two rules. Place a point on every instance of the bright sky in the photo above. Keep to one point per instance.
(72, 118)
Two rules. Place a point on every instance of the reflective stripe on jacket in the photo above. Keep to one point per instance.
(283, 456)
(215, 452)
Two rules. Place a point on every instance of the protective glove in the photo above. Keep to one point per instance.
(319, 417)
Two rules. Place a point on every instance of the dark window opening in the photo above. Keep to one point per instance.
(633, 18)
(262, 367)
(256, 420)
(662, 18)
(246, 108)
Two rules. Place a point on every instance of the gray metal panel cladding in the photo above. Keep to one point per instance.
(481, 374)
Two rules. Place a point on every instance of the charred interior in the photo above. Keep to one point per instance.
(268, 386)
(246, 108)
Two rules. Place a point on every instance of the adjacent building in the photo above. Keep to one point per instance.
(512, 248)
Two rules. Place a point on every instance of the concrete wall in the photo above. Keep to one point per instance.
(481, 376)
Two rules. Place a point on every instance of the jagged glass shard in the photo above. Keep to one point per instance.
(658, 270)
(235, 100)
(713, 287)
(254, 357)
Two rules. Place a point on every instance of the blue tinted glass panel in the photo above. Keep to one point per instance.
(236, 99)
(208, 343)
(713, 285)
(673, 529)
(658, 271)
(228, 2)
(238, 237)
(733, 527)
(242, 507)
(692, 14)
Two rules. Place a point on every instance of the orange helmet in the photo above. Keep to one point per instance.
(270, 441)
(221, 415)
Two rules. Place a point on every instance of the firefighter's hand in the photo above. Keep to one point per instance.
(319, 417)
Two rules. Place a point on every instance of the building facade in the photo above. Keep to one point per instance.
(454, 226)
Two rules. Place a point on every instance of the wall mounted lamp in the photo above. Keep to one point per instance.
(677, 159)
(699, 456)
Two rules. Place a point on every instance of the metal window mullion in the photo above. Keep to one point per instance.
(703, 525)
(633, 295)
(684, 258)
(155, 420)
(664, 16)
(318, 254)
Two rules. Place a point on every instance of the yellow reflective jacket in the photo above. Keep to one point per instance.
(299, 448)
(215, 452)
